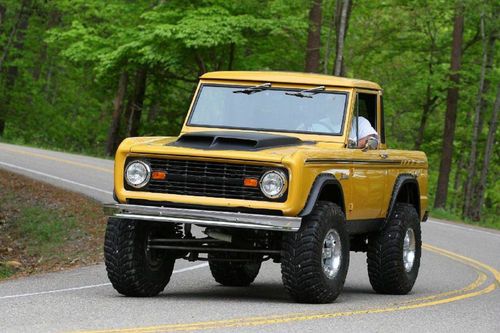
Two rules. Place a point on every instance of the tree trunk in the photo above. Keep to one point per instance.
(328, 48)
(18, 31)
(16, 35)
(427, 108)
(6, 48)
(201, 64)
(137, 102)
(156, 102)
(488, 151)
(54, 18)
(112, 142)
(154, 110)
(3, 10)
(484, 83)
(430, 101)
(341, 33)
(343, 70)
(451, 110)
(458, 176)
(314, 37)
(232, 47)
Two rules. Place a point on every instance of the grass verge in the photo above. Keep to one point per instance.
(5, 272)
(487, 221)
(93, 152)
(44, 228)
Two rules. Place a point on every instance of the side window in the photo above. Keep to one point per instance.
(365, 107)
(368, 108)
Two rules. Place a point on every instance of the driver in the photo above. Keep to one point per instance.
(330, 123)
(368, 136)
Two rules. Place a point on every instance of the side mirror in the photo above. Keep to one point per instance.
(371, 144)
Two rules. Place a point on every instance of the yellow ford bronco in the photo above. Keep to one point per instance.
(270, 166)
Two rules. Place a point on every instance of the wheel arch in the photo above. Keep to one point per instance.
(405, 190)
(325, 187)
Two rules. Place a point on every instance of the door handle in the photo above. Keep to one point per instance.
(383, 155)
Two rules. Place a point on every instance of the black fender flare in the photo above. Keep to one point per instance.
(402, 180)
(319, 183)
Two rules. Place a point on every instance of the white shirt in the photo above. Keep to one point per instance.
(365, 129)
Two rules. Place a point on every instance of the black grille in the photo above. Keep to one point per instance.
(200, 178)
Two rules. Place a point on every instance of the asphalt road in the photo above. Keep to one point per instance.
(457, 288)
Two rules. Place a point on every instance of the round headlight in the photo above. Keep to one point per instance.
(137, 174)
(273, 184)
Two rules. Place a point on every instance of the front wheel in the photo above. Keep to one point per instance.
(394, 253)
(133, 268)
(316, 258)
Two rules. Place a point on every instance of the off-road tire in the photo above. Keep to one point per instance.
(385, 252)
(301, 266)
(233, 273)
(129, 267)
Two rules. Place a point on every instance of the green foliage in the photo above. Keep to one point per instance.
(488, 220)
(69, 60)
(5, 271)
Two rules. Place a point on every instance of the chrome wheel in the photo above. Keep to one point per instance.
(331, 254)
(409, 249)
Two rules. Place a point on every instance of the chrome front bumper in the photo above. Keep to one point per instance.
(204, 217)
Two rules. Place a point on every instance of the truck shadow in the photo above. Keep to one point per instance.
(257, 292)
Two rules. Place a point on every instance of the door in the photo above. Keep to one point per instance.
(369, 167)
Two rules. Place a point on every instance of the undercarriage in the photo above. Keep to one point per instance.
(221, 244)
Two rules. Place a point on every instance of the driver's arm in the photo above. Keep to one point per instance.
(367, 134)
(364, 142)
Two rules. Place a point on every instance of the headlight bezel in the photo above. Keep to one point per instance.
(146, 179)
(284, 188)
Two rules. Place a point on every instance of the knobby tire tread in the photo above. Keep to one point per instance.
(384, 256)
(125, 263)
(301, 266)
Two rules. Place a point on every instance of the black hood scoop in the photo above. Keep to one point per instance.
(213, 140)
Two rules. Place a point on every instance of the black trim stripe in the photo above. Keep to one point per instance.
(349, 161)
(405, 163)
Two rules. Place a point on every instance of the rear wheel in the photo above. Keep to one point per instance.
(393, 255)
(133, 268)
(233, 273)
(316, 258)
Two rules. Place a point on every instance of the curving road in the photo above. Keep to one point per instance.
(457, 288)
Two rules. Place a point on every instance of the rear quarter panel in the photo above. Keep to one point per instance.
(411, 162)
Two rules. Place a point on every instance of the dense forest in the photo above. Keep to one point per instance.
(80, 75)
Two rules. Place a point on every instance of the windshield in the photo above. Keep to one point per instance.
(269, 109)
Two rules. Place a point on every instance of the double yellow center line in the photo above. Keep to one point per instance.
(463, 293)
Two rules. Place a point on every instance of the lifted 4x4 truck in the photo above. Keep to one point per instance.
(264, 169)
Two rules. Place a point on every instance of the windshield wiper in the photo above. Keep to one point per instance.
(311, 92)
(254, 89)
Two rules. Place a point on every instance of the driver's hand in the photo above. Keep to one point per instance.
(371, 143)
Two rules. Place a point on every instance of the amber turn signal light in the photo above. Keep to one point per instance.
(159, 175)
(250, 182)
